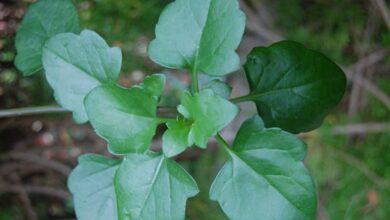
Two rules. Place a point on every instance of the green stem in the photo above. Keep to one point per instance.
(194, 85)
(8, 113)
(222, 142)
(165, 120)
(245, 98)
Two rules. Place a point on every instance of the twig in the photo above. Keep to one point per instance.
(56, 109)
(59, 167)
(381, 5)
(44, 190)
(363, 128)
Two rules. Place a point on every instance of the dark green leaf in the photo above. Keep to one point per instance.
(265, 177)
(74, 65)
(293, 87)
(92, 186)
(205, 114)
(149, 186)
(126, 118)
(199, 35)
(43, 20)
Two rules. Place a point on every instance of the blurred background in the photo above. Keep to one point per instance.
(349, 156)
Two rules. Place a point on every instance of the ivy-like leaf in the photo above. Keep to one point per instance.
(205, 114)
(92, 186)
(265, 177)
(293, 87)
(150, 186)
(126, 118)
(199, 35)
(74, 65)
(43, 20)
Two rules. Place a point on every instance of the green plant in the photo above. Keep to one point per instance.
(293, 87)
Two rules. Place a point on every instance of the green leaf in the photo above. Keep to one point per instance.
(293, 87)
(199, 35)
(205, 114)
(220, 88)
(92, 186)
(43, 20)
(149, 186)
(265, 177)
(75, 64)
(126, 118)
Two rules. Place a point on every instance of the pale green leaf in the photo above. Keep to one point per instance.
(150, 186)
(199, 35)
(265, 177)
(75, 64)
(220, 88)
(92, 186)
(44, 19)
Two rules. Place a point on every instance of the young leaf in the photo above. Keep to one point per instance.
(43, 20)
(74, 65)
(92, 186)
(199, 35)
(205, 114)
(220, 88)
(126, 118)
(265, 177)
(149, 186)
(293, 87)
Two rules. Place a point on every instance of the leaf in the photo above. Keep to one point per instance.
(265, 177)
(126, 118)
(220, 88)
(92, 186)
(74, 65)
(293, 87)
(150, 186)
(205, 114)
(199, 35)
(175, 139)
(43, 20)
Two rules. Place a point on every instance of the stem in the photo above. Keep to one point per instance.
(165, 120)
(222, 142)
(245, 98)
(195, 85)
(31, 111)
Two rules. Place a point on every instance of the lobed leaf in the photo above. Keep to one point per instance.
(293, 87)
(150, 186)
(220, 88)
(75, 64)
(126, 118)
(43, 20)
(265, 177)
(205, 114)
(199, 35)
(92, 186)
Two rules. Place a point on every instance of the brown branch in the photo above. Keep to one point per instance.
(362, 128)
(43, 190)
(382, 7)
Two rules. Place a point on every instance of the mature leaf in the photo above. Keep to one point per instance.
(43, 20)
(126, 118)
(150, 186)
(293, 87)
(92, 186)
(205, 114)
(74, 65)
(265, 177)
(220, 88)
(199, 35)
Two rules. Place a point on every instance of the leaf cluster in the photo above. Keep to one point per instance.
(293, 87)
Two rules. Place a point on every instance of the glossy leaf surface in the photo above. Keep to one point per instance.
(150, 186)
(199, 35)
(43, 20)
(265, 177)
(293, 87)
(126, 118)
(75, 64)
(92, 186)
